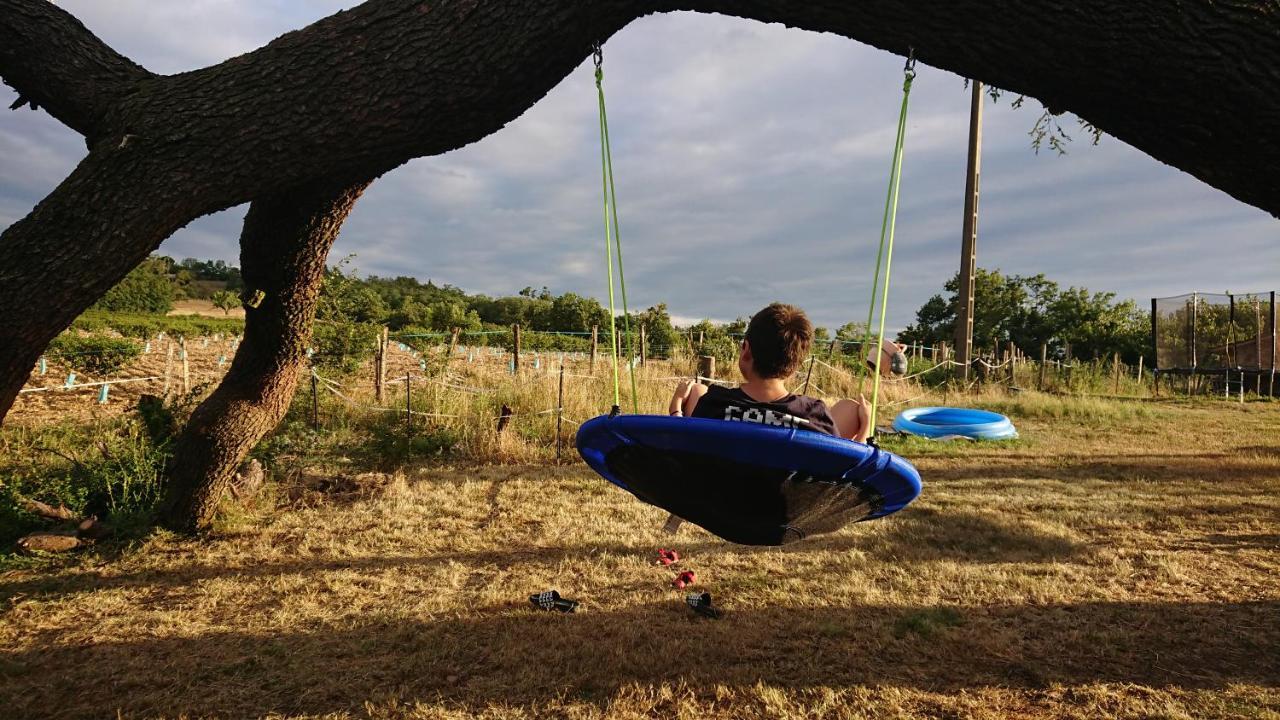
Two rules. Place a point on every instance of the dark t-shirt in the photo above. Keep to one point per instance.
(793, 411)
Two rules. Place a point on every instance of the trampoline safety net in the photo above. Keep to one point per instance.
(1210, 331)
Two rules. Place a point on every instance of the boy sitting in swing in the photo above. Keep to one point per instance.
(777, 341)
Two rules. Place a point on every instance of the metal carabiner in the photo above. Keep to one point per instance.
(909, 69)
(597, 54)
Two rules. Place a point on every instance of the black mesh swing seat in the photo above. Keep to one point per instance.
(747, 483)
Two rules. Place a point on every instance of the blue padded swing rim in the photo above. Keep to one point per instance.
(784, 449)
(945, 421)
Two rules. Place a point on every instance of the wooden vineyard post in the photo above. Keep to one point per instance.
(408, 411)
(559, 412)
(453, 346)
(1140, 359)
(1068, 363)
(168, 367)
(595, 347)
(707, 366)
(186, 369)
(1010, 356)
(515, 349)
(1115, 372)
(380, 366)
(1044, 362)
(315, 403)
(644, 356)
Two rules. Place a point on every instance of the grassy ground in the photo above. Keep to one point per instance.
(1122, 559)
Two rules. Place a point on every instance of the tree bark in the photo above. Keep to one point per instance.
(284, 243)
(1195, 84)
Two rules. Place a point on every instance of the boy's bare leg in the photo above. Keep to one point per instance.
(852, 419)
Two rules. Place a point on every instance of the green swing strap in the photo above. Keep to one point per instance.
(885, 251)
(613, 238)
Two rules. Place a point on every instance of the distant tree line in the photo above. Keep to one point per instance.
(1034, 310)
(1028, 310)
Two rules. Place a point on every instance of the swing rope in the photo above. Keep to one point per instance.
(885, 251)
(612, 243)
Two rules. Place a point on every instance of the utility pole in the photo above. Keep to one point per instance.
(969, 241)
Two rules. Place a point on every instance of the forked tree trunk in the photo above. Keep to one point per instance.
(284, 243)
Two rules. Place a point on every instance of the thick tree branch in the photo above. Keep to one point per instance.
(1190, 84)
(55, 63)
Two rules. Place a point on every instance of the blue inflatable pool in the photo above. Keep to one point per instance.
(937, 422)
(748, 483)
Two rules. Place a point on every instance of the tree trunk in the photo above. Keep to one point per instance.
(1194, 84)
(284, 243)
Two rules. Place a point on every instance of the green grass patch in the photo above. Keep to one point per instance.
(928, 622)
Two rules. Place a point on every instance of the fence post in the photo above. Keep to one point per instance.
(453, 345)
(186, 370)
(1115, 372)
(707, 366)
(168, 367)
(595, 346)
(380, 366)
(315, 403)
(559, 411)
(408, 411)
(644, 356)
(515, 349)
(1010, 354)
(1044, 361)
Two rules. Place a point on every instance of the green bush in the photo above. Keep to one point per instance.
(112, 470)
(145, 289)
(343, 347)
(94, 353)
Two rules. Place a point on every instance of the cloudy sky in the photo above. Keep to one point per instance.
(751, 163)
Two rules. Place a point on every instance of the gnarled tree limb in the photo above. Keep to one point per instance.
(55, 63)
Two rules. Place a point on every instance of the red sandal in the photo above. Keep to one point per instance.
(684, 580)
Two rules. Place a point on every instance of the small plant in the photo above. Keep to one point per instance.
(94, 353)
(927, 622)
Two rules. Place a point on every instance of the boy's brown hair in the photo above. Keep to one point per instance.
(779, 336)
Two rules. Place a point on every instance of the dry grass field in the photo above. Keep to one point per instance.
(1122, 559)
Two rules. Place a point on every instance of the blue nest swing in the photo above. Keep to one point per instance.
(750, 484)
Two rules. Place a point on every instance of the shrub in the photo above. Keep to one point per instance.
(146, 289)
(94, 353)
(343, 346)
(113, 471)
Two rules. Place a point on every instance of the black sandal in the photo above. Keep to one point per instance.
(701, 604)
(551, 600)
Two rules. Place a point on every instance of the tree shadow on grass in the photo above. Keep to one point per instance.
(927, 535)
(917, 535)
(1130, 468)
(519, 657)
